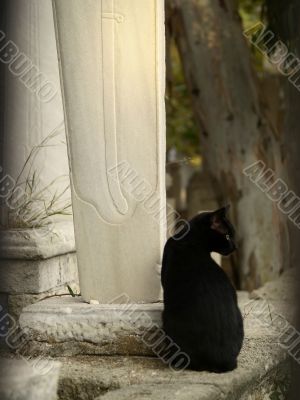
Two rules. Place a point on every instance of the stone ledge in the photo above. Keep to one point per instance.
(37, 276)
(67, 325)
(34, 244)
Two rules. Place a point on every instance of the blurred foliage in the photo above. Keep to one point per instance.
(252, 11)
(280, 17)
(182, 132)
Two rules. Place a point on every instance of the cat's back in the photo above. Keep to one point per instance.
(175, 257)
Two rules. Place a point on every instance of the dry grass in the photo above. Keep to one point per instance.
(30, 204)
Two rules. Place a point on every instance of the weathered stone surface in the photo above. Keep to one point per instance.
(35, 264)
(256, 390)
(17, 302)
(119, 221)
(24, 380)
(38, 243)
(69, 326)
(37, 276)
(136, 378)
(262, 365)
(75, 327)
(281, 289)
(168, 391)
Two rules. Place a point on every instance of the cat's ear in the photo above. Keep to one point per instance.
(221, 212)
(216, 219)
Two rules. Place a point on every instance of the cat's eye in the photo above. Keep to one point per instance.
(227, 237)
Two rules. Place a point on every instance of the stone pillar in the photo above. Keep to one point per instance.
(112, 70)
(31, 102)
(34, 170)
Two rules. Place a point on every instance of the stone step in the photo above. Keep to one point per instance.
(110, 357)
(67, 325)
(37, 276)
(22, 379)
(262, 367)
(38, 243)
(33, 261)
(35, 264)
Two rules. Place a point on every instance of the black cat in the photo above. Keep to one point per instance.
(201, 314)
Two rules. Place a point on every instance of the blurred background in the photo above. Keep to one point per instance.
(231, 102)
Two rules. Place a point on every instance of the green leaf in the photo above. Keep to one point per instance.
(71, 291)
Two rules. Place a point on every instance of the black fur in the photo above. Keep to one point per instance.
(200, 304)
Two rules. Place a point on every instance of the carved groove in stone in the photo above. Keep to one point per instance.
(115, 16)
(109, 106)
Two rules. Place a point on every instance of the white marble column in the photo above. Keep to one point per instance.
(32, 99)
(112, 69)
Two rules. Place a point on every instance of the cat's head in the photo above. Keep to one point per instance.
(216, 230)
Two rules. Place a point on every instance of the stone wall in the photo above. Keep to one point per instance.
(35, 264)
